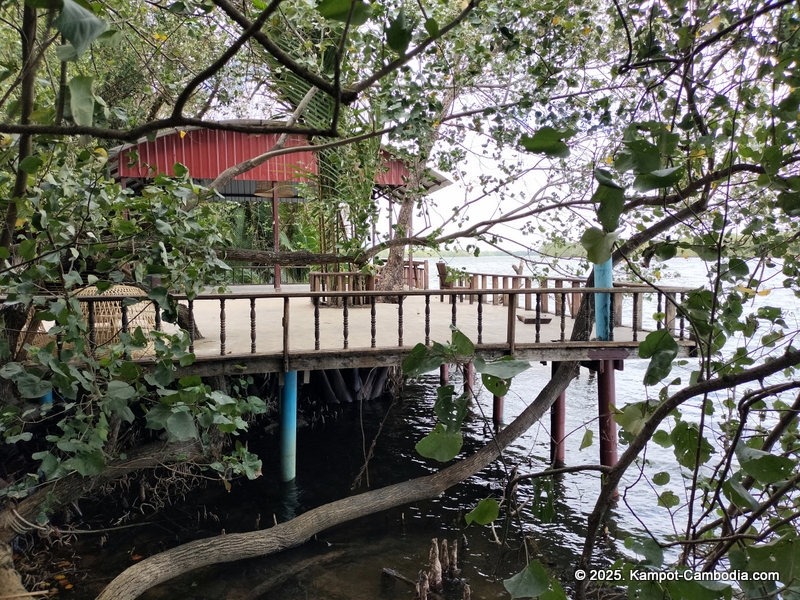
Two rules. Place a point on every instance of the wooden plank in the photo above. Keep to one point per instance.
(370, 357)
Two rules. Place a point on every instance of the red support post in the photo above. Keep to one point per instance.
(497, 410)
(469, 379)
(606, 396)
(558, 431)
(444, 374)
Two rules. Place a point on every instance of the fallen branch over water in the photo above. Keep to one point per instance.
(161, 567)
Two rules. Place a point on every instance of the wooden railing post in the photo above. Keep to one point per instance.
(575, 301)
(511, 328)
(559, 285)
(285, 334)
(545, 297)
(618, 310)
(669, 312)
(528, 296)
(473, 284)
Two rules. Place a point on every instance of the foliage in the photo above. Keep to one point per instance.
(647, 130)
(77, 228)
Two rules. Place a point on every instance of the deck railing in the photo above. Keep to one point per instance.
(565, 293)
(474, 319)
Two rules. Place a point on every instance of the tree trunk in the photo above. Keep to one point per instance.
(391, 278)
(392, 272)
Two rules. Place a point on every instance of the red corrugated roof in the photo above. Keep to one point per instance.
(207, 153)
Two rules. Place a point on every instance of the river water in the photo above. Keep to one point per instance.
(346, 562)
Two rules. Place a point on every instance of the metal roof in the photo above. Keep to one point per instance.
(207, 153)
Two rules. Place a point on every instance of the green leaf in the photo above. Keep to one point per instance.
(31, 386)
(484, 513)
(87, 463)
(661, 349)
(611, 201)
(399, 33)
(78, 25)
(164, 227)
(72, 279)
(157, 417)
(661, 478)
(505, 367)
(662, 438)
(495, 385)
(462, 345)
(737, 493)
(782, 555)
(737, 268)
(339, 10)
(598, 245)
(588, 438)
(432, 27)
(648, 548)
(668, 499)
(120, 390)
(27, 249)
(632, 417)
(531, 582)
(81, 100)
(763, 466)
(686, 437)
(789, 203)
(440, 445)
(654, 180)
(639, 156)
(419, 361)
(162, 376)
(605, 178)
(30, 164)
(67, 53)
(181, 427)
(450, 412)
(548, 141)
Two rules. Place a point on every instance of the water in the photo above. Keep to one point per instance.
(346, 562)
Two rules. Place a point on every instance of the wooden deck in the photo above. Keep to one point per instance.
(254, 329)
(273, 332)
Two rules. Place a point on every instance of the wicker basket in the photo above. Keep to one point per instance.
(108, 315)
(39, 339)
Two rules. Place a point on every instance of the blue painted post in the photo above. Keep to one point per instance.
(606, 386)
(603, 278)
(289, 426)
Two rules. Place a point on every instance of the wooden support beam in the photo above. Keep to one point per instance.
(558, 417)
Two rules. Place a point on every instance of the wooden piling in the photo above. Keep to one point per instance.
(558, 417)
(469, 379)
(606, 397)
(444, 374)
(498, 406)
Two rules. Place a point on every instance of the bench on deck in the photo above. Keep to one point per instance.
(450, 281)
